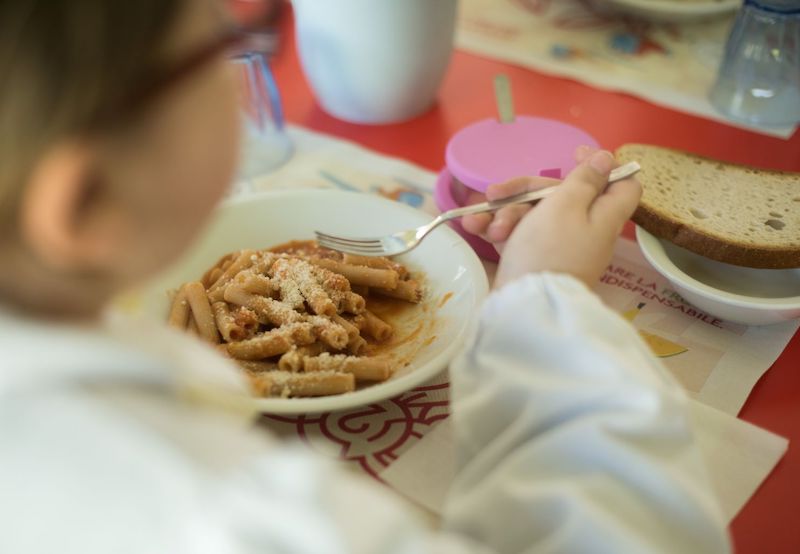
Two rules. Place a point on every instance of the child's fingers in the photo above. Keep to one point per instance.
(613, 208)
(583, 152)
(518, 185)
(585, 182)
(505, 220)
(476, 223)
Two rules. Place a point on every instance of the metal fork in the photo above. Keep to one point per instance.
(403, 241)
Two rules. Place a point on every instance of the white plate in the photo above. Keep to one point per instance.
(673, 10)
(734, 293)
(269, 219)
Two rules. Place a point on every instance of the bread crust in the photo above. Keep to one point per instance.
(694, 239)
(701, 243)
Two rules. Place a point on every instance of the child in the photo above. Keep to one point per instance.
(118, 136)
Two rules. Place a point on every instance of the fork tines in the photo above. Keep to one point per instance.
(351, 245)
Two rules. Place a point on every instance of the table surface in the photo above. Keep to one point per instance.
(768, 523)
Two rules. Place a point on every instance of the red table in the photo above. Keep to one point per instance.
(770, 522)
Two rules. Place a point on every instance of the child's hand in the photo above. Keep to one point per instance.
(496, 227)
(571, 231)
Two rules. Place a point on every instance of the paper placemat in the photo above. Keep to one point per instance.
(672, 65)
(717, 362)
(720, 363)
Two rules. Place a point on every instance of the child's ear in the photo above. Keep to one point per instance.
(63, 219)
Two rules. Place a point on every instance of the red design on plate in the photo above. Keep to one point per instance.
(375, 435)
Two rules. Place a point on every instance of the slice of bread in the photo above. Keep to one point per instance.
(730, 213)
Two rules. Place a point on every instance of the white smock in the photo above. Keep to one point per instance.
(571, 438)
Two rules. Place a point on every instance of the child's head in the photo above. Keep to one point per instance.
(118, 134)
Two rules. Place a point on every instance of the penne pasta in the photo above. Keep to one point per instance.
(254, 283)
(201, 311)
(191, 327)
(329, 332)
(352, 303)
(295, 319)
(286, 384)
(289, 293)
(248, 280)
(330, 281)
(293, 359)
(338, 288)
(410, 291)
(179, 311)
(302, 274)
(364, 369)
(256, 366)
(352, 331)
(263, 262)
(376, 328)
(246, 319)
(273, 343)
(376, 263)
(360, 275)
(356, 346)
(228, 327)
(216, 270)
(268, 310)
(244, 260)
(213, 276)
(359, 321)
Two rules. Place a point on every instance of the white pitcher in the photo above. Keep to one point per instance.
(375, 61)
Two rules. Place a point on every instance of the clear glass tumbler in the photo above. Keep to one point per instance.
(759, 79)
(265, 143)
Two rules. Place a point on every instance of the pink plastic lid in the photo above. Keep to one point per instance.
(492, 152)
(443, 195)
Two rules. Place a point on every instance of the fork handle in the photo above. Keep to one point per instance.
(618, 174)
(523, 198)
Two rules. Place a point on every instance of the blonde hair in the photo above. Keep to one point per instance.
(67, 65)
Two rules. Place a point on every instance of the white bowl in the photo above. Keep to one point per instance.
(730, 292)
(673, 10)
(268, 219)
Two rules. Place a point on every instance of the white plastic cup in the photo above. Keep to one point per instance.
(375, 61)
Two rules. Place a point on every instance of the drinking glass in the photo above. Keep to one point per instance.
(265, 143)
(759, 79)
